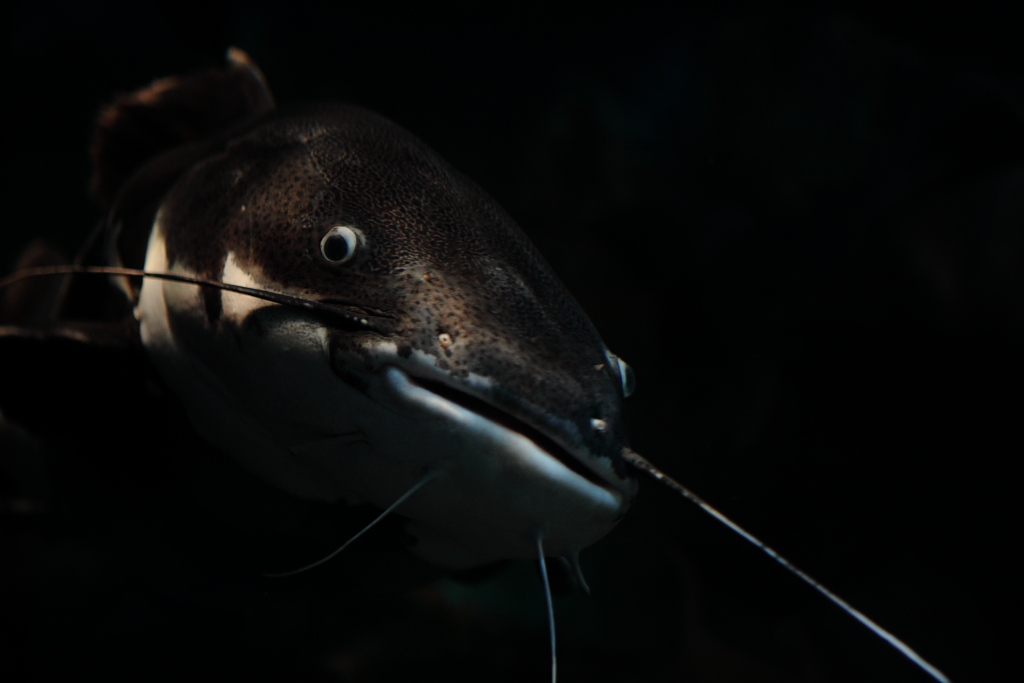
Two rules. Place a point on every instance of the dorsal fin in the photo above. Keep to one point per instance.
(170, 112)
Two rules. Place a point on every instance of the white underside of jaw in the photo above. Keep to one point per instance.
(498, 490)
(521, 449)
(421, 365)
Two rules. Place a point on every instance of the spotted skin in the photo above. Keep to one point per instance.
(447, 269)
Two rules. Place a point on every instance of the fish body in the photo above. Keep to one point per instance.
(443, 345)
(426, 342)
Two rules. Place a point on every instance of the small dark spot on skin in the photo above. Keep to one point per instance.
(404, 350)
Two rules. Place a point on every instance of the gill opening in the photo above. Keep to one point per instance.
(640, 463)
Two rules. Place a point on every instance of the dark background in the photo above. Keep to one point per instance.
(803, 228)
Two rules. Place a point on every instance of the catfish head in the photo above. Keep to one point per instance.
(444, 345)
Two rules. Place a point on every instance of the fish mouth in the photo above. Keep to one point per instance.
(576, 460)
(503, 482)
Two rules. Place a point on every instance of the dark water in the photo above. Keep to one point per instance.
(805, 231)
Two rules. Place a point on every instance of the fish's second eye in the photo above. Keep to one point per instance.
(339, 244)
(623, 371)
(627, 377)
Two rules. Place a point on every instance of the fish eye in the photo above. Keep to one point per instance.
(624, 372)
(627, 376)
(339, 244)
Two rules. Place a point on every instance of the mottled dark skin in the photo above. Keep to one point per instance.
(437, 256)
